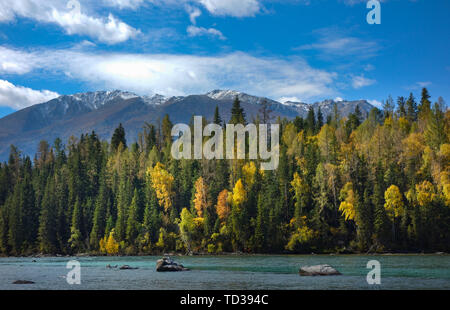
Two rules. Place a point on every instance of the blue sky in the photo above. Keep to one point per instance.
(305, 50)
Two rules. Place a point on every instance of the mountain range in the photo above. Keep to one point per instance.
(102, 111)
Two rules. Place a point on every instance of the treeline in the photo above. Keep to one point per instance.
(378, 182)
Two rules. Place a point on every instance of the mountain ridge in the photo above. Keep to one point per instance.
(102, 111)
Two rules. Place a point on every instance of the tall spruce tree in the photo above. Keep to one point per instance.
(118, 137)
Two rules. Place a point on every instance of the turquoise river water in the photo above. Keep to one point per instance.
(229, 272)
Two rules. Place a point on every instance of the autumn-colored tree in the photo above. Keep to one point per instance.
(394, 202)
(223, 208)
(248, 173)
(347, 207)
(426, 193)
(239, 193)
(394, 205)
(200, 199)
(109, 245)
(301, 190)
(162, 182)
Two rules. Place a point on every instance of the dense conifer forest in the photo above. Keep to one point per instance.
(363, 183)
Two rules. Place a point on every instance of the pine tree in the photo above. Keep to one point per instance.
(435, 130)
(319, 119)
(167, 129)
(311, 121)
(99, 221)
(237, 113)
(76, 237)
(425, 104)
(401, 106)
(217, 119)
(411, 108)
(118, 138)
(47, 221)
(265, 112)
(132, 222)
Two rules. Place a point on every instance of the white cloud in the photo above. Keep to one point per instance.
(289, 99)
(361, 81)
(194, 31)
(415, 86)
(376, 103)
(331, 44)
(424, 84)
(124, 4)
(19, 97)
(193, 14)
(16, 62)
(71, 18)
(184, 74)
(236, 8)
(353, 2)
(338, 99)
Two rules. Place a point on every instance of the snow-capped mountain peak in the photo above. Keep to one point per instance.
(156, 99)
(219, 94)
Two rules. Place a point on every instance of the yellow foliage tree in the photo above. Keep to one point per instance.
(248, 172)
(162, 182)
(393, 202)
(200, 199)
(300, 189)
(222, 208)
(102, 244)
(325, 138)
(111, 246)
(239, 193)
(445, 185)
(347, 207)
(425, 193)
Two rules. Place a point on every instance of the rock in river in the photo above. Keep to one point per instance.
(23, 282)
(318, 270)
(167, 264)
(127, 267)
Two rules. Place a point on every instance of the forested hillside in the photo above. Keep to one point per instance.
(344, 184)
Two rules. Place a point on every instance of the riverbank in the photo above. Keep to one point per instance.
(223, 254)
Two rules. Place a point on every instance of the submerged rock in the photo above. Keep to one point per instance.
(127, 267)
(23, 282)
(167, 264)
(318, 270)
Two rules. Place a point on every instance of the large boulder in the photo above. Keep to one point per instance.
(167, 264)
(318, 270)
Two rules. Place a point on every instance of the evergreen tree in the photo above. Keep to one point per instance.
(118, 138)
(311, 121)
(411, 108)
(319, 119)
(425, 104)
(265, 112)
(217, 119)
(237, 113)
(99, 221)
(132, 222)
(401, 107)
(47, 225)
